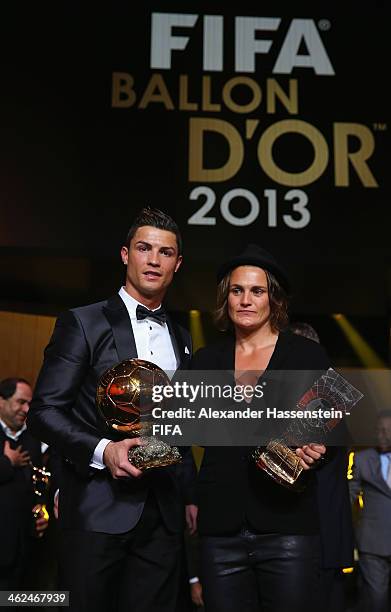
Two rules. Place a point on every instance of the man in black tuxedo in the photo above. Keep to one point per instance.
(122, 529)
(18, 452)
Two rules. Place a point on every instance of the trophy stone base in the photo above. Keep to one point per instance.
(153, 453)
(281, 463)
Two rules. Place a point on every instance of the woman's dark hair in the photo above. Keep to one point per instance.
(154, 218)
(278, 300)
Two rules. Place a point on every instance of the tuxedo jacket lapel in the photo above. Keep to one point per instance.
(281, 352)
(178, 343)
(118, 317)
(227, 355)
(377, 473)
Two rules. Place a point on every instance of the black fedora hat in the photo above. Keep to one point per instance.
(254, 255)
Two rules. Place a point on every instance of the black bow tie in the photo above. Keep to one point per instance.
(158, 315)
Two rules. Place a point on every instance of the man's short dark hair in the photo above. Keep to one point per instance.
(8, 386)
(155, 218)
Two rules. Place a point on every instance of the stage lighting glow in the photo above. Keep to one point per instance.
(196, 329)
(364, 351)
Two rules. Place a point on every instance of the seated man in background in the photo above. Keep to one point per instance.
(19, 451)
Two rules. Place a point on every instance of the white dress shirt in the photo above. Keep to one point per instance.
(14, 435)
(385, 465)
(153, 340)
(153, 343)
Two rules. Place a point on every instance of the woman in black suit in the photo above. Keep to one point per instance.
(263, 546)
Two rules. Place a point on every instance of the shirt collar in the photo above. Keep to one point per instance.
(130, 303)
(11, 434)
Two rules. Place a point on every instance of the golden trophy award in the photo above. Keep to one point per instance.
(331, 392)
(41, 481)
(281, 463)
(124, 399)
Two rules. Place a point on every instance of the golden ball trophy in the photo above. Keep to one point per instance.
(124, 399)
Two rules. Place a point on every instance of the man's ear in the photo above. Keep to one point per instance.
(178, 263)
(124, 255)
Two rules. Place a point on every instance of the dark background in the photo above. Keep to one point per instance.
(75, 171)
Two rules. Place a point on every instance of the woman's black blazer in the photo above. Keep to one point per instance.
(231, 491)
